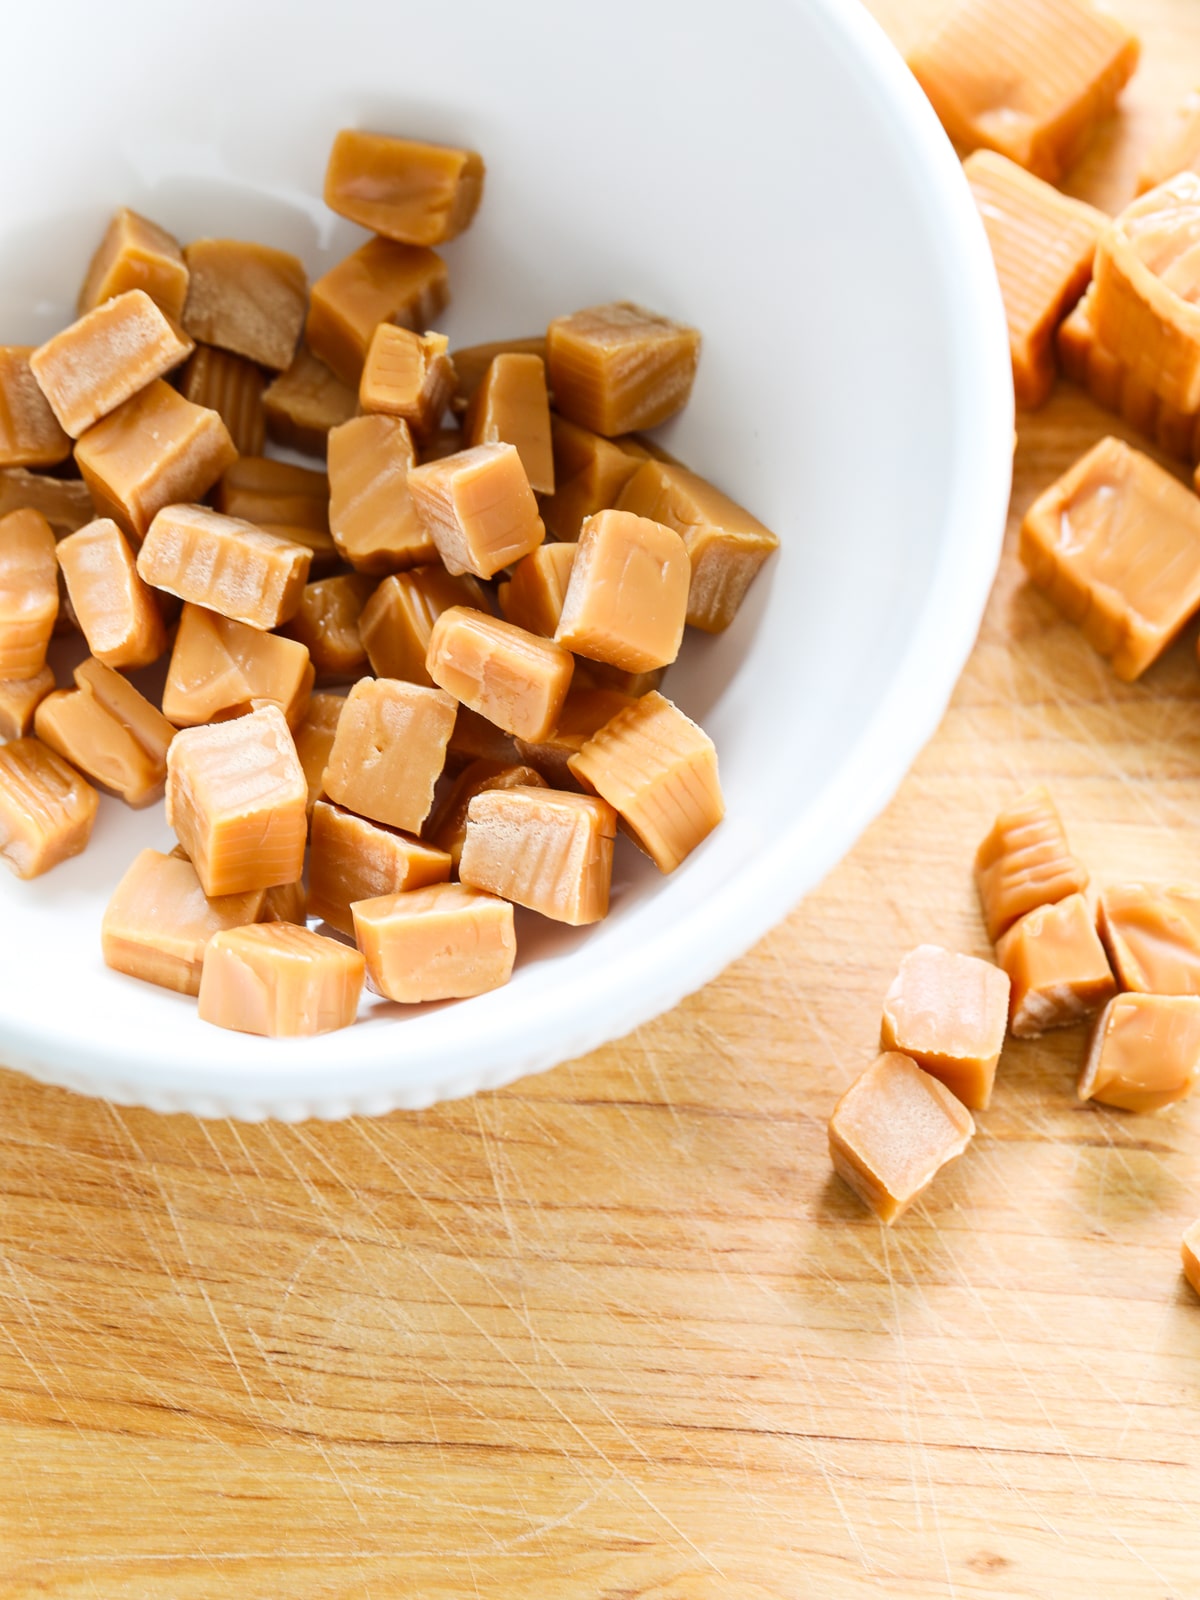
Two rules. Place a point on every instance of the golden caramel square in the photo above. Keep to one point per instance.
(279, 981)
(220, 667)
(110, 732)
(136, 253)
(246, 297)
(446, 942)
(513, 678)
(397, 621)
(373, 515)
(617, 368)
(950, 1014)
(1152, 933)
(404, 189)
(1145, 1052)
(547, 851)
(407, 375)
(627, 597)
(352, 858)
(478, 509)
(224, 564)
(511, 405)
(381, 281)
(28, 593)
(533, 596)
(1057, 967)
(1025, 862)
(389, 751)
(231, 386)
(117, 613)
(46, 808)
(30, 435)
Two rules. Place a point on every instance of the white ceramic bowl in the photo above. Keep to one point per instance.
(767, 171)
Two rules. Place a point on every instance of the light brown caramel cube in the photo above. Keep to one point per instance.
(136, 253)
(660, 772)
(403, 189)
(548, 851)
(219, 666)
(949, 1013)
(389, 751)
(280, 981)
(589, 474)
(236, 797)
(407, 375)
(511, 406)
(1178, 147)
(447, 827)
(382, 281)
(326, 624)
(446, 942)
(46, 808)
(302, 404)
(247, 298)
(1056, 966)
(117, 613)
(274, 493)
(65, 503)
(314, 741)
(472, 361)
(893, 1131)
(584, 712)
(397, 621)
(476, 739)
(1145, 1052)
(19, 699)
(96, 364)
(28, 593)
(617, 368)
(478, 508)
(109, 731)
(627, 598)
(29, 432)
(373, 516)
(225, 564)
(1024, 862)
(352, 858)
(1152, 933)
(513, 678)
(533, 597)
(1190, 1251)
(156, 450)
(233, 388)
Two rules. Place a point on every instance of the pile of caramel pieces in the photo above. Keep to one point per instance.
(504, 714)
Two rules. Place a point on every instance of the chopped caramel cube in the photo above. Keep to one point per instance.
(533, 597)
(274, 493)
(478, 508)
(109, 731)
(476, 739)
(1152, 932)
(893, 1131)
(314, 741)
(326, 623)
(354, 859)
(511, 677)
(302, 404)
(660, 772)
(247, 298)
(19, 699)
(617, 368)
(1056, 966)
(1145, 1052)
(548, 851)
(397, 621)
(28, 593)
(156, 450)
(224, 564)
(1190, 1251)
(627, 598)
(65, 503)
(589, 475)
(373, 516)
(381, 282)
(117, 614)
(584, 712)
(446, 942)
(472, 361)
(1030, 78)
(136, 253)
(280, 981)
(447, 828)
(407, 375)
(1177, 149)
(389, 751)
(29, 432)
(1024, 862)
(233, 388)
(401, 188)
(46, 808)
(219, 666)
(949, 1013)
(511, 406)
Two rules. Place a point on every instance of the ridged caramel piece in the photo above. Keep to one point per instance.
(109, 731)
(404, 189)
(382, 281)
(616, 368)
(233, 388)
(279, 981)
(236, 797)
(246, 297)
(397, 621)
(478, 508)
(314, 741)
(548, 851)
(261, 490)
(1024, 862)
(29, 432)
(893, 1131)
(389, 751)
(447, 827)
(627, 598)
(476, 739)
(533, 597)
(136, 253)
(28, 593)
(511, 406)
(1056, 966)
(117, 613)
(326, 623)
(1115, 543)
(1145, 1052)
(1152, 933)
(156, 450)
(105, 358)
(659, 770)
(46, 808)
(407, 375)
(65, 503)
(584, 712)
(352, 858)
(949, 1013)
(218, 666)
(372, 515)
(224, 564)
(446, 942)
(1177, 149)
(1030, 78)
(513, 678)
(19, 699)
(1190, 1252)
(471, 362)
(303, 403)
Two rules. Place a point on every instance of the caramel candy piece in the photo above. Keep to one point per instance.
(478, 508)
(617, 368)
(233, 388)
(136, 253)
(28, 593)
(533, 597)
(407, 375)
(29, 432)
(156, 450)
(389, 751)
(326, 623)
(314, 741)
(660, 772)
(627, 598)
(247, 298)
(447, 828)
(893, 1131)
(19, 699)
(303, 403)
(1024, 862)
(584, 712)
(109, 731)
(117, 614)
(397, 621)
(1115, 543)
(1030, 78)
(1152, 933)
(1145, 1052)
(548, 851)
(354, 859)
(1177, 149)
(1056, 966)
(64, 502)
(225, 564)
(381, 282)
(472, 361)
(274, 493)
(409, 191)
(286, 902)
(219, 666)
(511, 406)
(949, 1013)
(283, 982)
(476, 739)
(446, 942)
(372, 514)
(46, 808)
(1190, 1251)
(511, 677)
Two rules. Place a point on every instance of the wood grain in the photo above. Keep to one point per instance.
(617, 1331)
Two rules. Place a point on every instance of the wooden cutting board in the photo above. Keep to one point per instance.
(617, 1331)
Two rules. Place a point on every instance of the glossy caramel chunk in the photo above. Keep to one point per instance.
(1024, 862)
(403, 189)
(280, 981)
(372, 514)
(302, 404)
(1190, 1252)
(617, 368)
(29, 432)
(225, 564)
(117, 613)
(511, 406)
(314, 741)
(246, 297)
(136, 253)
(272, 493)
(548, 851)
(478, 508)
(446, 942)
(109, 731)
(1145, 1052)
(382, 281)
(352, 858)
(397, 621)
(28, 593)
(233, 388)
(326, 623)
(65, 503)
(472, 361)
(389, 751)
(533, 597)
(513, 678)
(1056, 966)
(949, 1013)
(46, 808)
(584, 712)
(627, 597)
(19, 699)
(219, 667)
(407, 375)
(447, 827)
(1177, 148)
(1152, 933)
(893, 1131)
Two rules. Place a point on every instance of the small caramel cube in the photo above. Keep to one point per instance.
(280, 981)
(326, 623)
(29, 432)
(354, 859)
(949, 1013)
(1056, 966)
(513, 678)
(511, 406)
(1152, 933)
(471, 362)
(236, 797)
(156, 450)
(382, 281)
(660, 772)
(584, 712)
(1190, 1251)
(627, 598)
(476, 739)
(136, 253)
(1145, 1052)
(247, 298)
(397, 621)
(893, 1131)
(548, 851)
(117, 613)
(446, 942)
(303, 403)
(407, 375)
(219, 666)
(1030, 78)
(19, 699)
(373, 516)
(409, 191)
(226, 564)
(233, 388)
(617, 368)
(1177, 149)
(65, 503)
(533, 597)
(478, 508)
(447, 827)
(1024, 862)
(28, 593)
(589, 475)
(46, 808)
(110, 732)
(314, 741)
(389, 751)
(274, 493)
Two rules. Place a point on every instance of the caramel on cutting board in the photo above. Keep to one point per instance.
(246, 297)
(478, 508)
(46, 808)
(136, 253)
(219, 667)
(382, 281)
(617, 368)
(352, 858)
(1145, 1052)
(397, 621)
(374, 519)
(65, 503)
(19, 699)
(404, 189)
(589, 475)
(446, 942)
(29, 432)
(513, 678)
(28, 593)
(1190, 1251)
(1177, 148)
(231, 386)
(533, 596)
(1152, 933)
(627, 597)
(548, 851)
(389, 751)
(314, 741)
(949, 1013)
(326, 624)
(109, 731)
(303, 403)
(407, 375)
(1057, 967)
(510, 405)
(224, 564)
(447, 827)
(280, 981)
(1024, 862)
(117, 613)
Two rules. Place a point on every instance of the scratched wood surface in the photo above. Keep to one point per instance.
(616, 1331)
